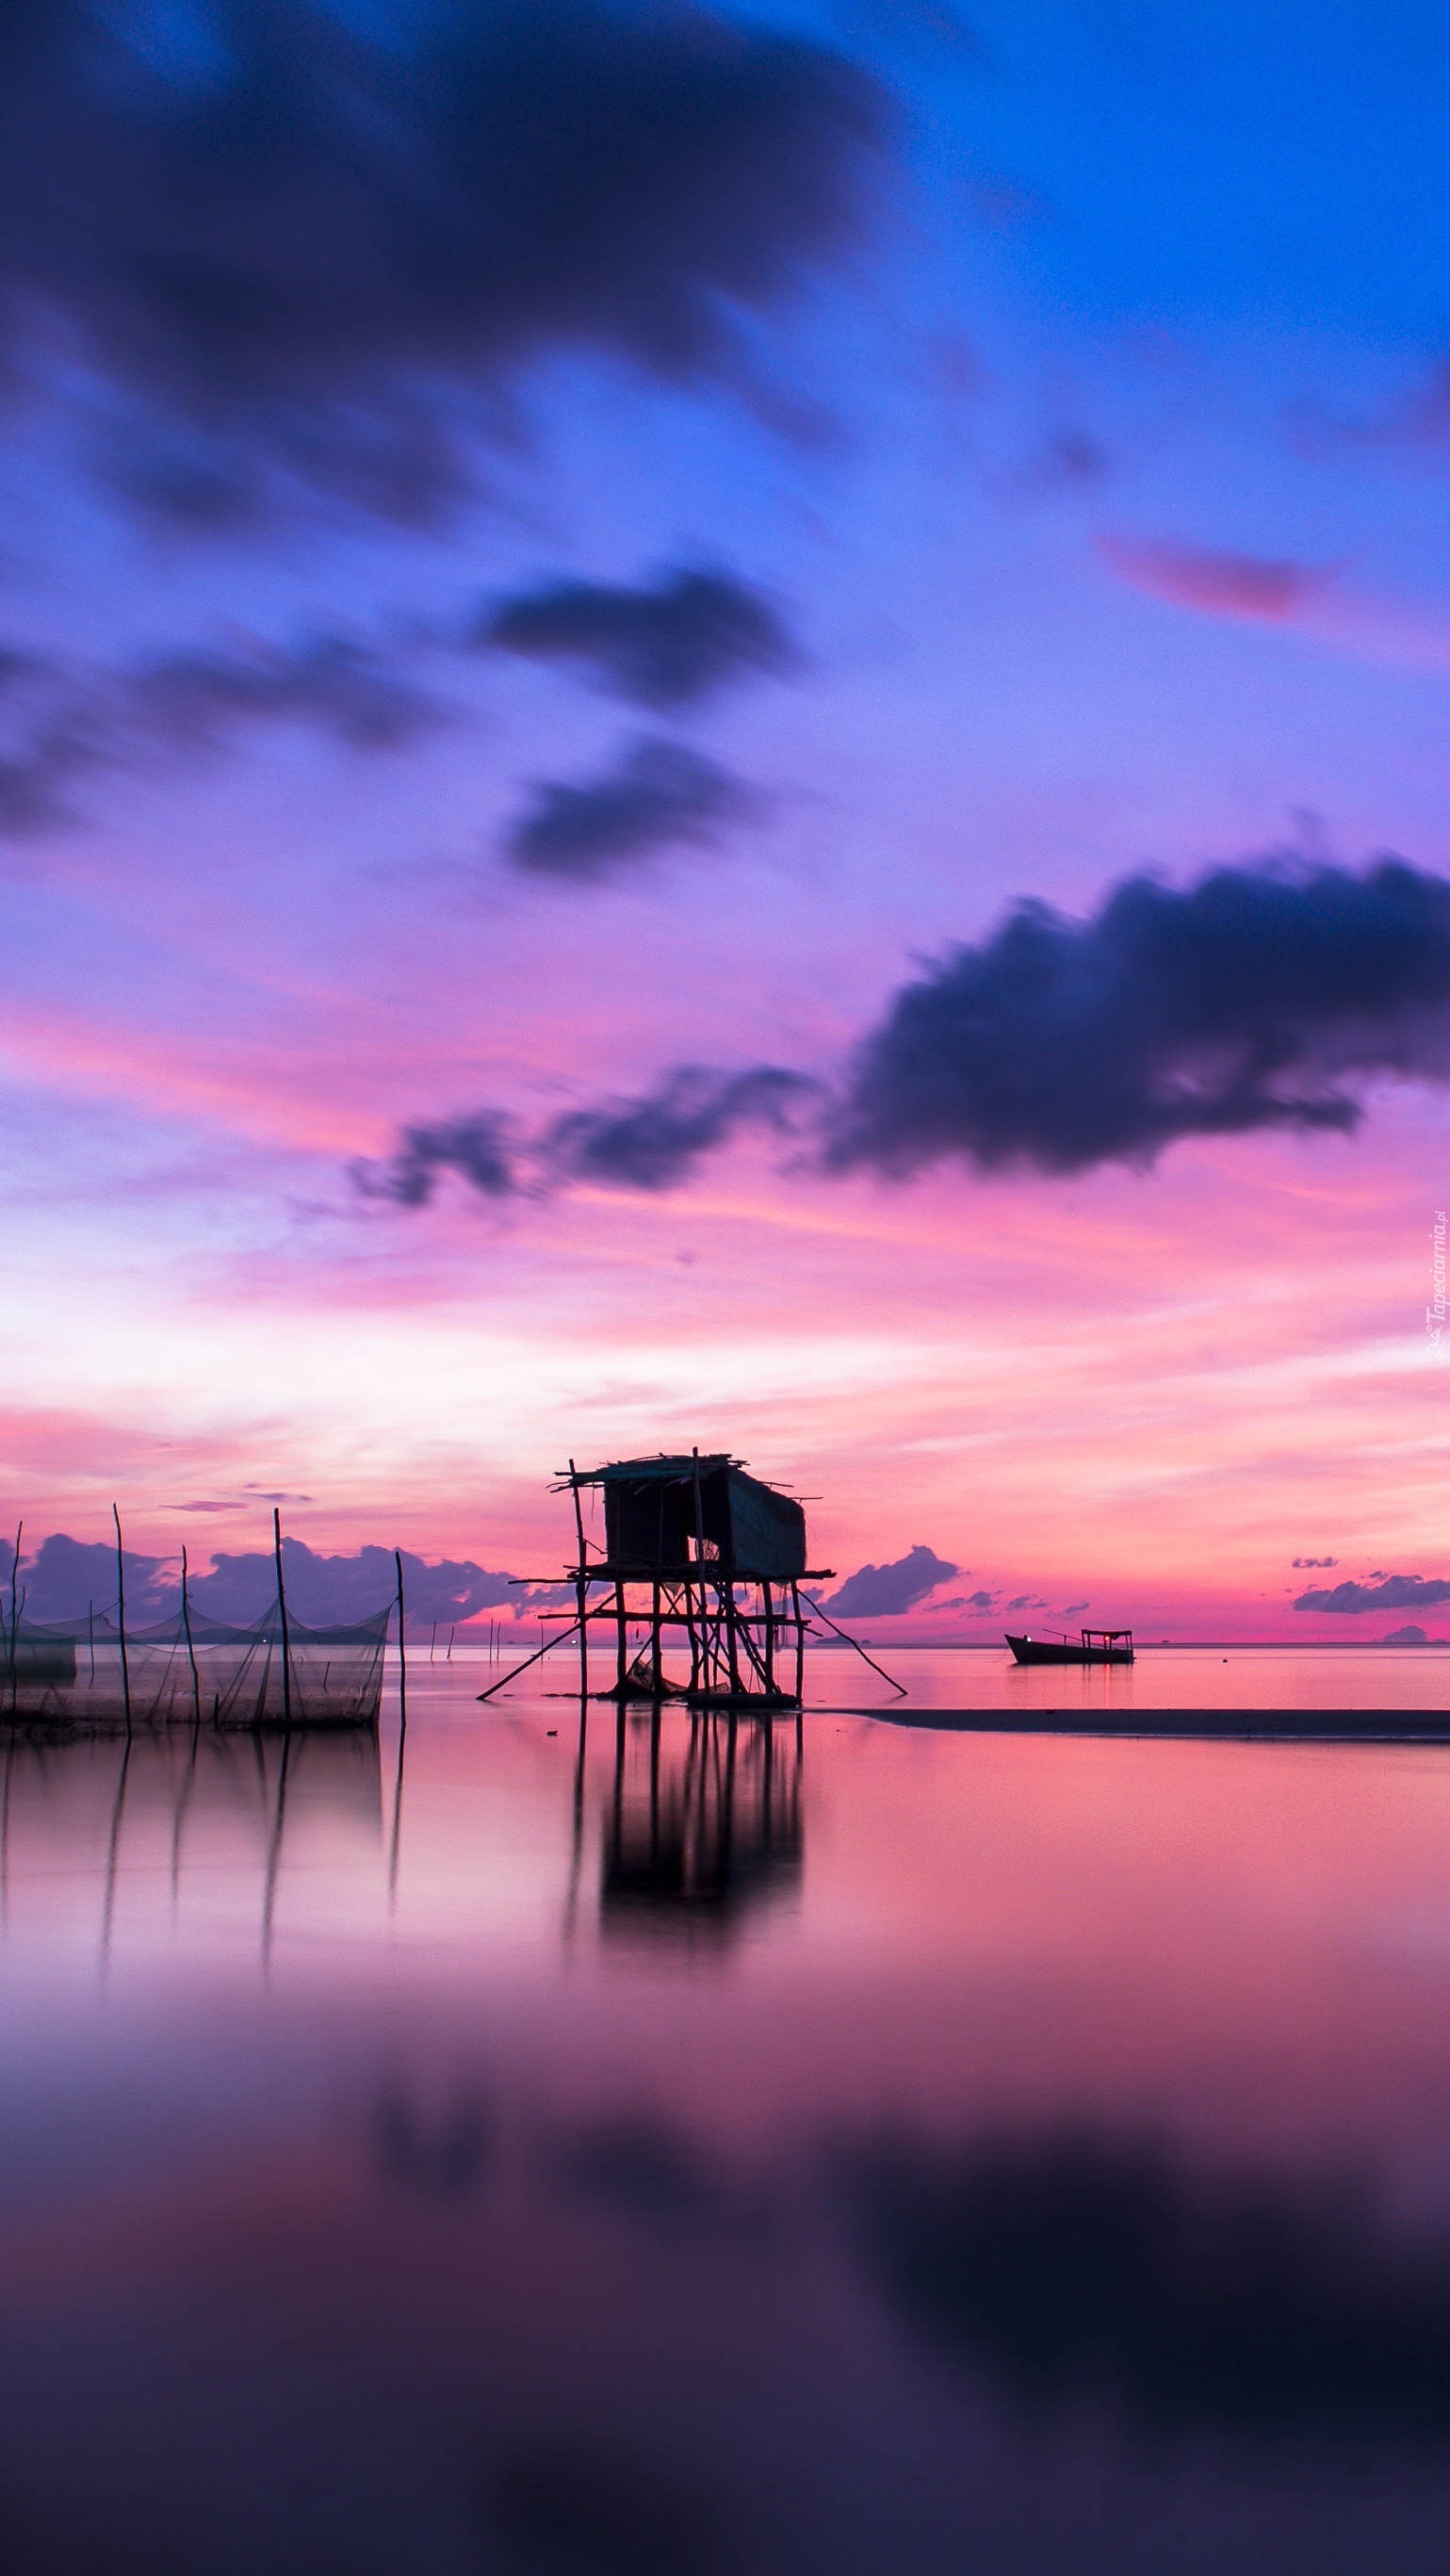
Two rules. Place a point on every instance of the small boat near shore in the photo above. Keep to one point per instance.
(1094, 1646)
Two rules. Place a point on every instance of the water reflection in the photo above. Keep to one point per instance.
(1067, 2191)
(704, 1823)
(447, 2156)
(563, 2506)
(1081, 2267)
(218, 1801)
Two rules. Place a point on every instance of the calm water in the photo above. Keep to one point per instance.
(864, 2147)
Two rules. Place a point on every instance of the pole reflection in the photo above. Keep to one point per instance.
(703, 1823)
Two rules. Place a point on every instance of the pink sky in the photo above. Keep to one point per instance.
(1103, 546)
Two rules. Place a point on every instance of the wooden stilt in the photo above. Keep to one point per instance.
(190, 1649)
(692, 1629)
(705, 1679)
(654, 1787)
(402, 1653)
(15, 1616)
(121, 1620)
(282, 1616)
(581, 1586)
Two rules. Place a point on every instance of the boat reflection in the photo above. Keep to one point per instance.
(703, 1824)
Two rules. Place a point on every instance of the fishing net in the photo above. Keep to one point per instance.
(188, 1671)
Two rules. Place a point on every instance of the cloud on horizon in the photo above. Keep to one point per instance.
(64, 1577)
(668, 645)
(884, 1591)
(282, 241)
(658, 796)
(1390, 1592)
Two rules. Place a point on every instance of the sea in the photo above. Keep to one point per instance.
(995, 2128)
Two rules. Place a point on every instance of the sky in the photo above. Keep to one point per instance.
(727, 726)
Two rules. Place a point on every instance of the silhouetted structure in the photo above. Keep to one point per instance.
(692, 1534)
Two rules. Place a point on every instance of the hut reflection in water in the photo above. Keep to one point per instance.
(703, 1824)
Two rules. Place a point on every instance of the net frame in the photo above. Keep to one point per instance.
(193, 1670)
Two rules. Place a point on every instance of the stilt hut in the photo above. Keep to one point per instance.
(695, 1552)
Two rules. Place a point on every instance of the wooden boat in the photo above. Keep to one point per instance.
(1097, 1646)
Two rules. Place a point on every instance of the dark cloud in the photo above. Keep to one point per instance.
(272, 236)
(651, 1142)
(64, 722)
(659, 795)
(1100, 2273)
(1410, 1636)
(1307, 1564)
(348, 689)
(65, 1575)
(655, 1142)
(478, 1148)
(324, 1590)
(64, 1578)
(1264, 996)
(1389, 1592)
(663, 647)
(879, 1591)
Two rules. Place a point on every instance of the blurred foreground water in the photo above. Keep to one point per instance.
(845, 2146)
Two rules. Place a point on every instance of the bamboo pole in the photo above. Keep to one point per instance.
(692, 1631)
(581, 1584)
(706, 1656)
(15, 1615)
(899, 1687)
(121, 1620)
(731, 1638)
(546, 1649)
(190, 1649)
(402, 1652)
(282, 1614)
